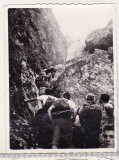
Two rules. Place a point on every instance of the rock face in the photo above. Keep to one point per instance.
(35, 38)
(101, 39)
(31, 133)
(34, 35)
(93, 73)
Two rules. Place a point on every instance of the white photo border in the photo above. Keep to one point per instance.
(8, 150)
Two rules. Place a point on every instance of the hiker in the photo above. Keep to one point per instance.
(107, 109)
(50, 71)
(44, 102)
(61, 113)
(90, 121)
(109, 112)
(107, 136)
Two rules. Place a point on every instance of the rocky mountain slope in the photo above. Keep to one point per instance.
(93, 71)
(34, 36)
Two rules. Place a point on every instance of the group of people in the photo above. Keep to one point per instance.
(43, 81)
(88, 126)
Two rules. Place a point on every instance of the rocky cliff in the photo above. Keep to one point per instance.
(101, 38)
(93, 71)
(34, 36)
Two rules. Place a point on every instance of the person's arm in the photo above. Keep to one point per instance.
(74, 114)
(30, 100)
(52, 97)
(50, 112)
(43, 98)
(73, 109)
(81, 114)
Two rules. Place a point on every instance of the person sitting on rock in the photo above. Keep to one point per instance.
(47, 76)
(61, 112)
(50, 71)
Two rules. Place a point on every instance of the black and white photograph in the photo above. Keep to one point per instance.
(61, 77)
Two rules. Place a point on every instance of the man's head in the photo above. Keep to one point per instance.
(90, 98)
(66, 95)
(104, 98)
(108, 135)
(109, 109)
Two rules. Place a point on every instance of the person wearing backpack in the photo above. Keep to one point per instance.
(90, 119)
(61, 113)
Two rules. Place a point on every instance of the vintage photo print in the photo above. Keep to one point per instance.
(61, 67)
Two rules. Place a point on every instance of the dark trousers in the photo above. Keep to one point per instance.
(62, 133)
(84, 139)
(78, 137)
(92, 140)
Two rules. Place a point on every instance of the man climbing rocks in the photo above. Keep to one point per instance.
(61, 112)
(44, 102)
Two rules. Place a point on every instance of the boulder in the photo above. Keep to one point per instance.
(101, 39)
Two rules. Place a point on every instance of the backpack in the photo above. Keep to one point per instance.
(62, 109)
(90, 117)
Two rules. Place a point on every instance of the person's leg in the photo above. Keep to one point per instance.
(78, 137)
(92, 140)
(66, 134)
(56, 136)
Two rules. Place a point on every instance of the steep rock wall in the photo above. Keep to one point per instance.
(34, 36)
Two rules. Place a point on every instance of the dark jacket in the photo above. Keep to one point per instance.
(90, 117)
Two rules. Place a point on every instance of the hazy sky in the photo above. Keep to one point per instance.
(78, 22)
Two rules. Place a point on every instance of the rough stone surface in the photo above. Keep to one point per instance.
(101, 38)
(94, 73)
(34, 35)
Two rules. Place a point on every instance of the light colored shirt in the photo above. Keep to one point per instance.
(71, 104)
(44, 98)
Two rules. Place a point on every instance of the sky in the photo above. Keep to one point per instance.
(77, 22)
